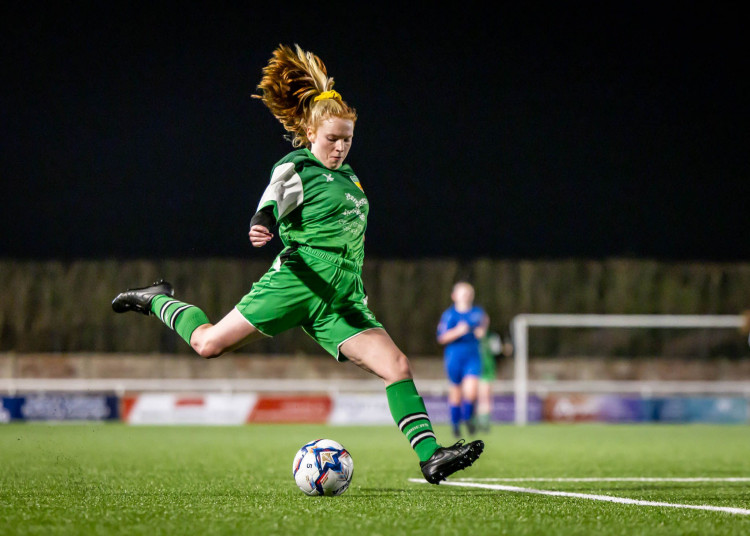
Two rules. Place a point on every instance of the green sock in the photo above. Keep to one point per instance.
(409, 413)
(179, 316)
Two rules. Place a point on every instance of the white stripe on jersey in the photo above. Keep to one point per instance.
(285, 189)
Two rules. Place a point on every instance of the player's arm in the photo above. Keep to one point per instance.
(481, 330)
(447, 336)
(260, 227)
(283, 194)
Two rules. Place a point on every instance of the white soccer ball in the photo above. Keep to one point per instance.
(323, 467)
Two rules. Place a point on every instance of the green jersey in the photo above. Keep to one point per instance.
(318, 207)
(491, 346)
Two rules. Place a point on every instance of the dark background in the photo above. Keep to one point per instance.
(528, 130)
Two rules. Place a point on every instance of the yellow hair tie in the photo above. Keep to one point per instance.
(328, 95)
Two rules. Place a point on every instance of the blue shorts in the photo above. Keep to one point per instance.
(458, 366)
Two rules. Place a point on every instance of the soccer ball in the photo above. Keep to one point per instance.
(323, 467)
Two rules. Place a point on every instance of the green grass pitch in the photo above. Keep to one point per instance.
(118, 479)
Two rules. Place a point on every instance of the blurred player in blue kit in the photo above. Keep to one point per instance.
(460, 330)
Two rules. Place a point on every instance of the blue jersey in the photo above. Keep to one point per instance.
(468, 342)
(462, 356)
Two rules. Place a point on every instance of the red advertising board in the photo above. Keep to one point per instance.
(571, 408)
(291, 409)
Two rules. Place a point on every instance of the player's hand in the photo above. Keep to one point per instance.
(463, 328)
(259, 236)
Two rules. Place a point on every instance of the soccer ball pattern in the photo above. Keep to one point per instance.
(323, 467)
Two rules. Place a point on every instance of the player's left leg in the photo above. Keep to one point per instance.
(375, 351)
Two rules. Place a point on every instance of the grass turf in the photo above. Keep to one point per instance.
(119, 479)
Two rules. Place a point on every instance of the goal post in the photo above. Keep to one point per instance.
(520, 338)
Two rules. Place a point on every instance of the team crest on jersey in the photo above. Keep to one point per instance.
(355, 180)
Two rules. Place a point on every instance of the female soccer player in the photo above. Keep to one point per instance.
(320, 208)
(490, 347)
(460, 329)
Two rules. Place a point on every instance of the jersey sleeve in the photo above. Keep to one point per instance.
(285, 192)
(477, 317)
(444, 322)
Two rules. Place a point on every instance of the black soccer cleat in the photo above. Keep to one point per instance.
(139, 299)
(448, 460)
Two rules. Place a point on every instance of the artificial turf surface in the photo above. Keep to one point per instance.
(120, 479)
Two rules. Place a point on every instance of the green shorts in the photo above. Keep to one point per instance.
(489, 368)
(316, 290)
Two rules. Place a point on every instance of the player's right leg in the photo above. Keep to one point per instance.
(484, 405)
(469, 387)
(454, 404)
(454, 373)
(230, 333)
(275, 303)
(189, 321)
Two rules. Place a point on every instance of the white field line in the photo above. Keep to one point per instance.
(604, 498)
(609, 479)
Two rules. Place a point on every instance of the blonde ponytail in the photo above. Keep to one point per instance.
(299, 93)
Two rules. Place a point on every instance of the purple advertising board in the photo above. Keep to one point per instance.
(59, 407)
(502, 410)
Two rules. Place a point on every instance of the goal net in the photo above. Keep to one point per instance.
(521, 329)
